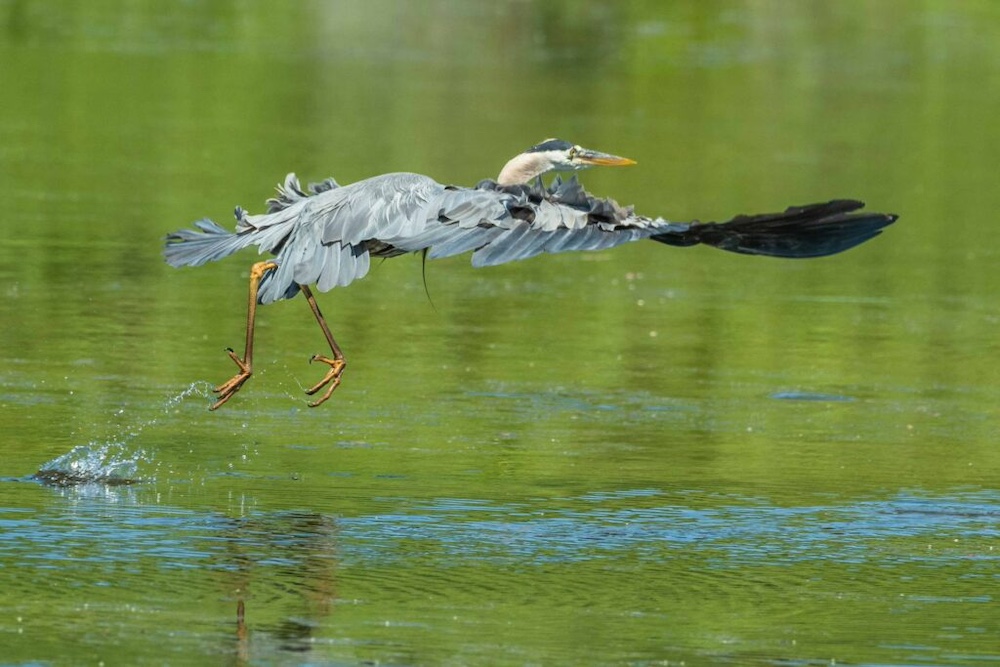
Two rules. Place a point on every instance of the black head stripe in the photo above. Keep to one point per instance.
(550, 145)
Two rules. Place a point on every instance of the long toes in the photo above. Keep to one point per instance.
(331, 380)
(224, 389)
(322, 383)
(222, 400)
(242, 365)
(227, 389)
(233, 384)
(329, 392)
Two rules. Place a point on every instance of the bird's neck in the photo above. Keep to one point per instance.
(522, 169)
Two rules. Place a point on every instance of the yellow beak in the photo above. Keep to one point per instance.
(587, 156)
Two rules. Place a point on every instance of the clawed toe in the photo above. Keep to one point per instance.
(332, 378)
(228, 389)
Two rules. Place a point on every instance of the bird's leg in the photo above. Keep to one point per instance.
(337, 363)
(230, 387)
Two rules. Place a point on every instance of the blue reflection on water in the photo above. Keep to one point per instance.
(736, 534)
(729, 533)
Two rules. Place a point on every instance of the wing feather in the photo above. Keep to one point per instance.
(329, 276)
(326, 236)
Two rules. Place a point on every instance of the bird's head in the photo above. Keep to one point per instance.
(555, 155)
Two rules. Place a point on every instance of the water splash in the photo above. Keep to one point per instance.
(111, 463)
(115, 462)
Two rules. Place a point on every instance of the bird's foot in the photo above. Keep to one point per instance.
(332, 378)
(227, 389)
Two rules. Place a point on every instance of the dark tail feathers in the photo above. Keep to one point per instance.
(815, 230)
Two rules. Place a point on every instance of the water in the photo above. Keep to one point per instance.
(644, 456)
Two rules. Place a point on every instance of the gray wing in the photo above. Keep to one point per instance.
(327, 238)
(529, 220)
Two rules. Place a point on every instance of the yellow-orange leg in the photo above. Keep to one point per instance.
(227, 389)
(337, 364)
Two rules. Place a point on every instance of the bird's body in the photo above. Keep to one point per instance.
(326, 238)
(326, 235)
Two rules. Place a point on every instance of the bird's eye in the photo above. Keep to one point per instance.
(572, 152)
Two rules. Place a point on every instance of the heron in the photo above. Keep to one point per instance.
(325, 235)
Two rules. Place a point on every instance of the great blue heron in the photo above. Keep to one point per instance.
(327, 236)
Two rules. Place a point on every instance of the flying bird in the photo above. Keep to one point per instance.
(325, 235)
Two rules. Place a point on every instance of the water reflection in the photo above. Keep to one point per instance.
(306, 583)
(281, 568)
(299, 550)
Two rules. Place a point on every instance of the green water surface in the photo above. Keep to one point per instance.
(644, 456)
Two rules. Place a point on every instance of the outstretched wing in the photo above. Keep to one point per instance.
(326, 237)
(504, 224)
